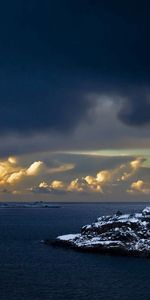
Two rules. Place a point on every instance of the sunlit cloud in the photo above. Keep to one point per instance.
(103, 176)
(35, 168)
(12, 160)
(139, 186)
(126, 171)
(125, 176)
(44, 187)
(12, 174)
(16, 176)
(43, 184)
(76, 185)
(61, 168)
(19, 173)
(102, 182)
(57, 185)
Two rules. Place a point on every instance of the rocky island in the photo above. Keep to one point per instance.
(119, 234)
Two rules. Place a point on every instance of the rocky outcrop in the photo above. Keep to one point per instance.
(119, 234)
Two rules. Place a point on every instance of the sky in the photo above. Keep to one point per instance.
(74, 100)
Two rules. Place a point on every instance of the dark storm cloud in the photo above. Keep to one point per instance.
(33, 105)
(54, 52)
(136, 110)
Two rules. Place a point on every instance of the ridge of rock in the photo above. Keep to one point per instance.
(119, 234)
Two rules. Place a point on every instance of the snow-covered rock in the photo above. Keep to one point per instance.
(119, 234)
(146, 211)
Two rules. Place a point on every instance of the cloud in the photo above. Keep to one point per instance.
(93, 177)
(16, 192)
(135, 109)
(6, 170)
(46, 101)
(103, 176)
(5, 191)
(139, 186)
(76, 185)
(12, 160)
(96, 183)
(56, 186)
(137, 163)
(128, 170)
(61, 168)
(101, 183)
(11, 173)
(15, 177)
(79, 47)
(43, 184)
(120, 173)
(39, 190)
(35, 168)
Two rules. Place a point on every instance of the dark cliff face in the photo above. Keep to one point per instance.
(119, 234)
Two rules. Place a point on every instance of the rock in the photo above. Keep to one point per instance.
(118, 213)
(146, 211)
(119, 234)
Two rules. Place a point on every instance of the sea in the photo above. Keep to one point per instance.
(30, 270)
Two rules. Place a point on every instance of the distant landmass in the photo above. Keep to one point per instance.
(119, 234)
(37, 204)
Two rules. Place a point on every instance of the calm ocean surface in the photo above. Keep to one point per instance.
(33, 271)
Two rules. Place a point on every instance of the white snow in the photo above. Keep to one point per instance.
(68, 237)
(126, 216)
(146, 210)
(138, 215)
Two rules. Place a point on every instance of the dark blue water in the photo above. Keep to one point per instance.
(30, 270)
